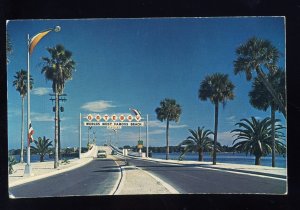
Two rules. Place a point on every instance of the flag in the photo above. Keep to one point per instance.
(136, 112)
(35, 40)
(30, 134)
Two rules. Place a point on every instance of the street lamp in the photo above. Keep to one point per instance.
(31, 43)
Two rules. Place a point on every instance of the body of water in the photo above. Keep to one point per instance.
(34, 158)
(237, 158)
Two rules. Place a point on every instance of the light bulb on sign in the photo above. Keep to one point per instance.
(57, 28)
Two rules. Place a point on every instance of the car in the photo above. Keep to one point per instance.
(101, 154)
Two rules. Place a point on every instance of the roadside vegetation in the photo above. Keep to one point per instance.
(20, 83)
(168, 111)
(218, 89)
(199, 141)
(42, 147)
(254, 137)
(58, 68)
(258, 60)
(11, 161)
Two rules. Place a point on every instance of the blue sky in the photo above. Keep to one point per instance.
(136, 63)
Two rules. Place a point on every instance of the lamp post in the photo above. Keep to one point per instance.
(31, 43)
(79, 149)
(147, 131)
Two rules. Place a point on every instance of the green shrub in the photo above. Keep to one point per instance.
(65, 161)
(11, 161)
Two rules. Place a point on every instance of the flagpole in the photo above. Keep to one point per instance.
(30, 47)
(147, 152)
(28, 169)
(79, 149)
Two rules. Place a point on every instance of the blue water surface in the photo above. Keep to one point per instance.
(223, 157)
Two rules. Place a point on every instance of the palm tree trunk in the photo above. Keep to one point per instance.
(22, 134)
(257, 160)
(200, 155)
(167, 140)
(56, 162)
(58, 139)
(271, 90)
(41, 158)
(216, 133)
(273, 133)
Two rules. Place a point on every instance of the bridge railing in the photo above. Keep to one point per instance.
(91, 153)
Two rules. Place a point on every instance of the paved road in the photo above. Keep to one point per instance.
(187, 179)
(96, 178)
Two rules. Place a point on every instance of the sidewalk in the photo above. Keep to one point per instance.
(43, 169)
(243, 168)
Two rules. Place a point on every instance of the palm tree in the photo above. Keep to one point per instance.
(261, 98)
(217, 88)
(20, 83)
(8, 47)
(255, 138)
(255, 55)
(58, 68)
(42, 147)
(199, 141)
(169, 110)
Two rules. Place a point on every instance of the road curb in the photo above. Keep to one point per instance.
(171, 189)
(119, 184)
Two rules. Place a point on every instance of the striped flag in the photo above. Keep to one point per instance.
(136, 112)
(35, 40)
(30, 134)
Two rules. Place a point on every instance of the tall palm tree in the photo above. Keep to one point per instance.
(20, 83)
(42, 147)
(8, 47)
(257, 55)
(58, 68)
(217, 88)
(254, 137)
(199, 141)
(261, 98)
(169, 110)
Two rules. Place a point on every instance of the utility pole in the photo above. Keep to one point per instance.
(61, 97)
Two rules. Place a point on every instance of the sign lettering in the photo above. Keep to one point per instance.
(128, 124)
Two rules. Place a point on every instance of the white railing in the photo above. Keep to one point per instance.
(90, 153)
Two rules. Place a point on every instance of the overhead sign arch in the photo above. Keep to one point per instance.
(114, 122)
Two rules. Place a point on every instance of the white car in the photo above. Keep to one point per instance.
(101, 154)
